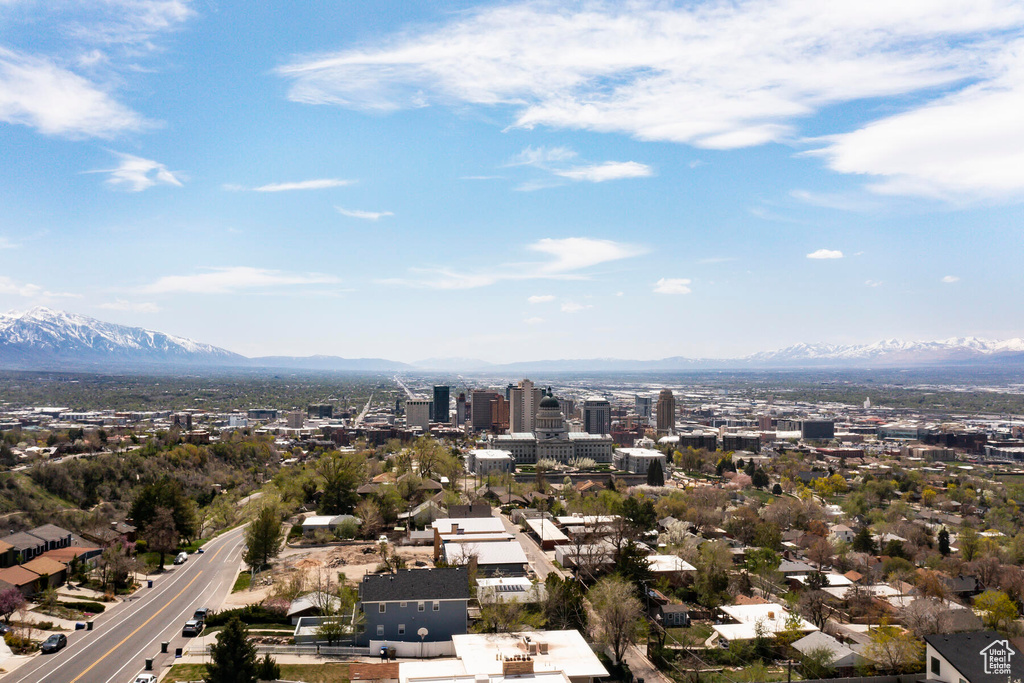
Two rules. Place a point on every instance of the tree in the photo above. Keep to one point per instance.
(233, 657)
(564, 607)
(655, 474)
(820, 552)
(944, 542)
(11, 600)
(116, 563)
(895, 650)
(372, 521)
(712, 580)
(503, 616)
(864, 542)
(267, 669)
(997, 608)
(263, 538)
(618, 615)
(969, 543)
(760, 479)
(165, 493)
(777, 490)
(815, 607)
(817, 662)
(161, 534)
(764, 564)
(341, 476)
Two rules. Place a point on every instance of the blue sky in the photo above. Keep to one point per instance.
(515, 181)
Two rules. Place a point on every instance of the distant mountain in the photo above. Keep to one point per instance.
(453, 364)
(45, 339)
(330, 363)
(42, 339)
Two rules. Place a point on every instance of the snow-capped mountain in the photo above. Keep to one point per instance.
(890, 352)
(45, 338)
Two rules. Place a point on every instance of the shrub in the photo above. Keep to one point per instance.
(85, 606)
(250, 614)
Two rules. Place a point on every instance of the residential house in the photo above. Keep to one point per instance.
(842, 533)
(495, 558)
(397, 607)
(844, 658)
(56, 573)
(54, 536)
(8, 555)
(25, 580)
(26, 546)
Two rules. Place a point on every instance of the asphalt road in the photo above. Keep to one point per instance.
(538, 560)
(122, 638)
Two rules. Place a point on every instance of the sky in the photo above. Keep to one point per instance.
(516, 181)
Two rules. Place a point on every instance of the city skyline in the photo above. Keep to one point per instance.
(536, 180)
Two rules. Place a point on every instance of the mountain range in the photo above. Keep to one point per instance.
(43, 339)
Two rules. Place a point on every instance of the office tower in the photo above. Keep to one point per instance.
(666, 412)
(460, 409)
(480, 409)
(417, 413)
(597, 416)
(442, 404)
(644, 405)
(296, 419)
(523, 401)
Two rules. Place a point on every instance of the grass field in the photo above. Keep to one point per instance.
(242, 582)
(312, 673)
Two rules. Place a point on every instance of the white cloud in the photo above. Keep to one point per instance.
(573, 307)
(316, 184)
(6, 243)
(873, 283)
(950, 279)
(139, 174)
(968, 145)
(542, 156)
(714, 75)
(37, 92)
(234, 279)
(825, 254)
(30, 291)
(365, 215)
(133, 306)
(839, 202)
(533, 321)
(609, 170)
(541, 298)
(672, 285)
(570, 255)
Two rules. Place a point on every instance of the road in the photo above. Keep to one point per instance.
(123, 637)
(366, 409)
(408, 392)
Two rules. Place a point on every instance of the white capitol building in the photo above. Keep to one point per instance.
(552, 439)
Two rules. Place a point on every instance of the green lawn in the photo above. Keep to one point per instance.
(693, 636)
(313, 673)
(242, 582)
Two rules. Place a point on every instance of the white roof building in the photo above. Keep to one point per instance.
(771, 618)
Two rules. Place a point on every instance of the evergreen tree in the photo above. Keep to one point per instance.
(263, 537)
(267, 669)
(655, 474)
(777, 490)
(863, 542)
(944, 542)
(233, 658)
(760, 479)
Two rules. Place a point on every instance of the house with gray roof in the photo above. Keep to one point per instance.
(978, 657)
(397, 606)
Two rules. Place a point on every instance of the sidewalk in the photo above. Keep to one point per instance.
(642, 667)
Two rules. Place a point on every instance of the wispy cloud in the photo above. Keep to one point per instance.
(38, 92)
(825, 254)
(365, 215)
(873, 283)
(573, 307)
(685, 73)
(137, 174)
(568, 257)
(716, 259)
(837, 201)
(316, 184)
(31, 291)
(234, 279)
(672, 285)
(6, 243)
(609, 170)
(133, 306)
(950, 279)
(542, 157)
(533, 321)
(541, 298)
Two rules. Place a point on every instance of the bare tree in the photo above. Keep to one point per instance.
(618, 615)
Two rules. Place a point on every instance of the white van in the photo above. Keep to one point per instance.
(182, 558)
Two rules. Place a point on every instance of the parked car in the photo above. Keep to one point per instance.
(200, 551)
(193, 627)
(53, 643)
(145, 678)
(201, 614)
(5, 629)
(182, 558)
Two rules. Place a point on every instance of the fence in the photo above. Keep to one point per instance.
(313, 650)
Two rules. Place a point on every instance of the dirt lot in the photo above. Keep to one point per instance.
(353, 560)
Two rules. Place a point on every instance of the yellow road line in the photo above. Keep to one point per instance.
(141, 626)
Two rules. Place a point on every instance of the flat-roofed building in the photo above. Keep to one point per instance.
(637, 460)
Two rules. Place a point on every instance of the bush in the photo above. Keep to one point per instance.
(19, 644)
(141, 546)
(84, 606)
(250, 614)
